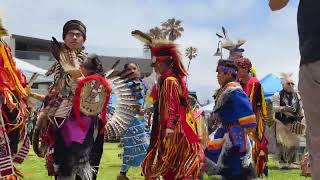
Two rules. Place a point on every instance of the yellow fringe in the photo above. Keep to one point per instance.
(11, 66)
(175, 153)
(264, 104)
(149, 99)
(252, 93)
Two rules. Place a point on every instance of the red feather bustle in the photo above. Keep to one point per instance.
(76, 100)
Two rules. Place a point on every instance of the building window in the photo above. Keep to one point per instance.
(34, 86)
(21, 46)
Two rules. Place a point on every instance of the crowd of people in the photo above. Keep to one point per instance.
(70, 126)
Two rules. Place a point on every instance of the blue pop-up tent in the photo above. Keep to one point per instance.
(271, 84)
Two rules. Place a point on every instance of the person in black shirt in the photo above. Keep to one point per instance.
(309, 75)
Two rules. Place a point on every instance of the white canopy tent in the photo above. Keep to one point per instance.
(43, 81)
(25, 66)
(208, 108)
(28, 70)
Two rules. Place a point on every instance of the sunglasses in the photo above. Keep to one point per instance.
(290, 83)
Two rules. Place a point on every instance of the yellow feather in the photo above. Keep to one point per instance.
(3, 31)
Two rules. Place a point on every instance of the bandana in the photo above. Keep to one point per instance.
(226, 69)
(227, 66)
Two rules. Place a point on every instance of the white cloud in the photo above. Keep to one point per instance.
(272, 36)
(272, 47)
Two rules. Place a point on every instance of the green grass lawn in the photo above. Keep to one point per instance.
(34, 168)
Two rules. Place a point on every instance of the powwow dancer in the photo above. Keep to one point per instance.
(229, 149)
(137, 137)
(289, 122)
(76, 136)
(75, 100)
(14, 143)
(174, 151)
(254, 90)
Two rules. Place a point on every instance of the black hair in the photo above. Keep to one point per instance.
(93, 65)
(127, 64)
(183, 100)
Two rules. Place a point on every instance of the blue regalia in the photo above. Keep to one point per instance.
(229, 149)
(136, 138)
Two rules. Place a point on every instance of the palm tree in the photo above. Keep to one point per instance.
(191, 53)
(156, 33)
(172, 29)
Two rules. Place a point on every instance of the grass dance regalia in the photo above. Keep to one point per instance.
(75, 106)
(174, 151)
(229, 149)
(254, 90)
(14, 143)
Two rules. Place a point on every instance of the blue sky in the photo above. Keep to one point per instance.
(272, 41)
